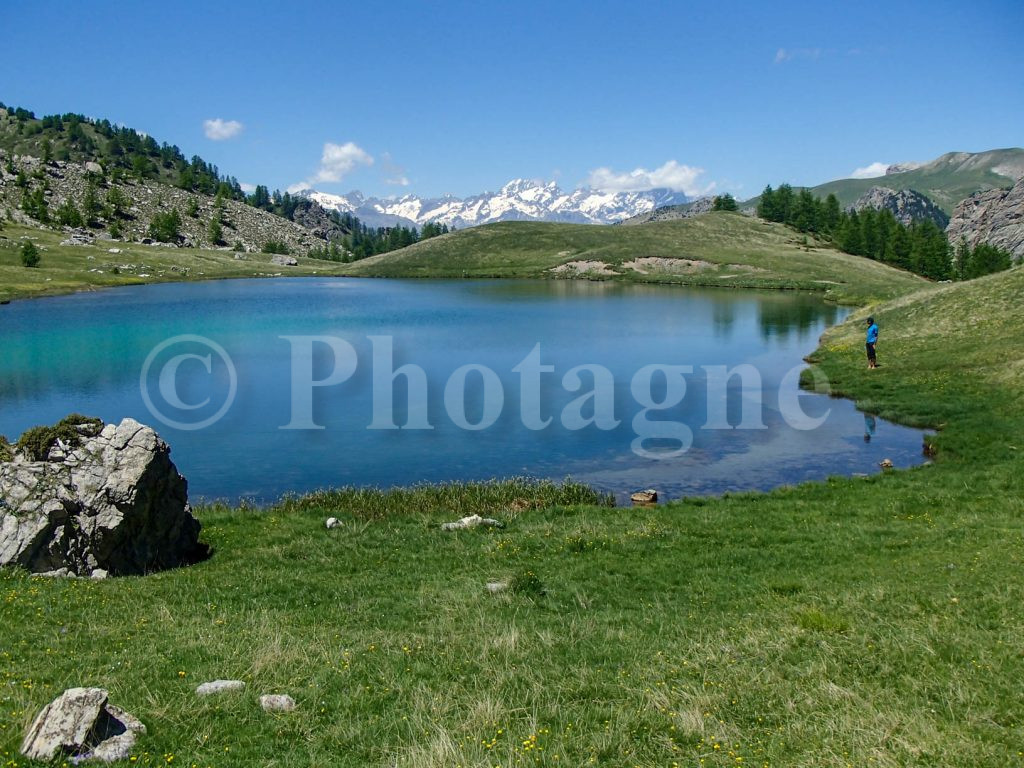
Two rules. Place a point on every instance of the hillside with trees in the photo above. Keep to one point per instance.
(921, 247)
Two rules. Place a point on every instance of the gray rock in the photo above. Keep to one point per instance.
(77, 239)
(497, 587)
(332, 522)
(220, 686)
(277, 703)
(116, 503)
(284, 261)
(473, 521)
(906, 205)
(80, 723)
(93, 167)
(995, 216)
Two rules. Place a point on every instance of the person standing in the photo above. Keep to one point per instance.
(871, 340)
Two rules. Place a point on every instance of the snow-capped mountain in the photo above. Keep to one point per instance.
(519, 200)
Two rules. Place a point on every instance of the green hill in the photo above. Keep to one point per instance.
(946, 180)
(722, 249)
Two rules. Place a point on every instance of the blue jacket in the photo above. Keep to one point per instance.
(872, 333)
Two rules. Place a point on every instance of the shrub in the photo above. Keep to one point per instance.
(275, 246)
(166, 226)
(6, 449)
(527, 583)
(36, 442)
(29, 254)
(68, 215)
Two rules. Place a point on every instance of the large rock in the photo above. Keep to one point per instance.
(81, 724)
(906, 205)
(116, 503)
(995, 216)
(284, 261)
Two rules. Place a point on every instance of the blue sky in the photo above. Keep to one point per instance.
(459, 97)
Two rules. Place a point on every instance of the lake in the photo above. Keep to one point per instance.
(619, 386)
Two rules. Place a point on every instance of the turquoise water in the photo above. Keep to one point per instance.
(86, 353)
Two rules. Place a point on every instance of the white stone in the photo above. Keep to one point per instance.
(277, 703)
(220, 686)
(332, 522)
(473, 521)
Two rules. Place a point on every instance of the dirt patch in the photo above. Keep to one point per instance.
(583, 269)
(645, 265)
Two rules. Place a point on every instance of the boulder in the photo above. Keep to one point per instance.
(649, 496)
(284, 261)
(115, 503)
(332, 522)
(81, 724)
(93, 167)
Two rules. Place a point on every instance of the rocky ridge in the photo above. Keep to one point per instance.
(906, 205)
(995, 216)
(673, 212)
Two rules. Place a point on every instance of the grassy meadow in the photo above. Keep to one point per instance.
(727, 250)
(69, 268)
(857, 622)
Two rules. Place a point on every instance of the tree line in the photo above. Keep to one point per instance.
(362, 241)
(922, 247)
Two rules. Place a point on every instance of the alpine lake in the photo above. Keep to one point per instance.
(271, 387)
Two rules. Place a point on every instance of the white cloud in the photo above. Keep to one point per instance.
(301, 186)
(399, 181)
(672, 175)
(219, 130)
(338, 160)
(870, 171)
(784, 54)
(248, 188)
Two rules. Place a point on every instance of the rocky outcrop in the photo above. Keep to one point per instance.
(906, 205)
(674, 212)
(995, 216)
(115, 504)
(83, 725)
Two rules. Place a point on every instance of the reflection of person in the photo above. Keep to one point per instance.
(872, 339)
(869, 427)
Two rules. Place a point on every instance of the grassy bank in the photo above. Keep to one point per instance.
(857, 622)
(65, 269)
(716, 249)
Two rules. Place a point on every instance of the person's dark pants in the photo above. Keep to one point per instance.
(871, 352)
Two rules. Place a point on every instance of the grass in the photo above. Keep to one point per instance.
(64, 269)
(732, 250)
(856, 622)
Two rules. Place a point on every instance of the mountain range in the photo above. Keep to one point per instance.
(518, 200)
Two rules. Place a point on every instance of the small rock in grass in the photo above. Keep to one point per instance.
(332, 522)
(473, 521)
(886, 464)
(99, 574)
(497, 587)
(220, 686)
(277, 703)
(649, 496)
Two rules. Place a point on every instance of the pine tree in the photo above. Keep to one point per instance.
(68, 215)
